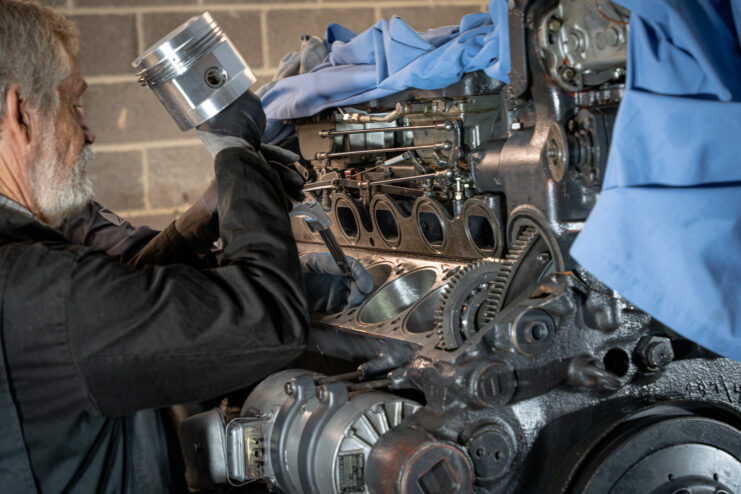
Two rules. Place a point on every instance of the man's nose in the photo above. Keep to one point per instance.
(89, 134)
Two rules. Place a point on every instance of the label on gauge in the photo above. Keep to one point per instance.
(351, 468)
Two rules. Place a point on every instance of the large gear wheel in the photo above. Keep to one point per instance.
(474, 296)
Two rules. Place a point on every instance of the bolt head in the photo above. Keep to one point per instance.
(289, 388)
(554, 25)
(321, 393)
(568, 74)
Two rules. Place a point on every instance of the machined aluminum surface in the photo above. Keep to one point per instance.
(195, 71)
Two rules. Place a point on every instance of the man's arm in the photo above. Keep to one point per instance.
(168, 334)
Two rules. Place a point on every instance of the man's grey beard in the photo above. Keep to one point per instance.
(59, 193)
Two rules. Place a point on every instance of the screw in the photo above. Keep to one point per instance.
(544, 257)
(568, 74)
(289, 388)
(657, 352)
(321, 393)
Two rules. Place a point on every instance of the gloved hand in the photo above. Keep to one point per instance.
(327, 289)
(281, 160)
(199, 223)
(239, 124)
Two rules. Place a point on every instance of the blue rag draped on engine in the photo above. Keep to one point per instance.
(666, 231)
(387, 58)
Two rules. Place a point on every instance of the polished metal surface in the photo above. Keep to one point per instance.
(195, 71)
(397, 296)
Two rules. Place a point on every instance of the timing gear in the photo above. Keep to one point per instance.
(474, 296)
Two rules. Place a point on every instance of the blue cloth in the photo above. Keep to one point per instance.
(666, 231)
(388, 58)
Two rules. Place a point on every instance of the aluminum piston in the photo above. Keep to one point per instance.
(195, 71)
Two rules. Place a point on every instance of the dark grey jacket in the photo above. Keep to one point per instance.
(91, 345)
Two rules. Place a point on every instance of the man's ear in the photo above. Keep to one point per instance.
(17, 115)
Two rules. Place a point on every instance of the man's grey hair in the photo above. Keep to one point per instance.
(37, 45)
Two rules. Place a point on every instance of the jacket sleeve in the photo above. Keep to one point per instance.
(96, 226)
(170, 334)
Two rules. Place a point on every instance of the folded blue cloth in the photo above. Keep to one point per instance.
(666, 231)
(388, 58)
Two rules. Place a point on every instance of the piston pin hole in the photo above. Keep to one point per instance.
(215, 77)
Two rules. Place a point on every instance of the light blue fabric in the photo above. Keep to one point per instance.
(388, 58)
(666, 231)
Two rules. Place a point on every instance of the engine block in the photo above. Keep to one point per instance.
(530, 375)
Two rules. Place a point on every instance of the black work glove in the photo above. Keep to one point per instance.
(327, 289)
(199, 225)
(282, 161)
(243, 120)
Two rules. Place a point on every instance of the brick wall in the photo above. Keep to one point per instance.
(145, 168)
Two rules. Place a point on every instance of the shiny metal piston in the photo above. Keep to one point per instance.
(195, 71)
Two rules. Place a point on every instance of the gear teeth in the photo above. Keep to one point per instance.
(457, 295)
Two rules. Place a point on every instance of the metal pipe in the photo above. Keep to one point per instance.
(446, 145)
(441, 126)
(347, 376)
(405, 179)
(369, 385)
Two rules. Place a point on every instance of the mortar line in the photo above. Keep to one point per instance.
(145, 178)
(109, 79)
(264, 38)
(133, 213)
(143, 146)
(139, 33)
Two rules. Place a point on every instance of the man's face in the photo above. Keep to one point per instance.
(60, 184)
(72, 131)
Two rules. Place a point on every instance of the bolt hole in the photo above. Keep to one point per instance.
(480, 453)
(617, 362)
(215, 77)
(498, 455)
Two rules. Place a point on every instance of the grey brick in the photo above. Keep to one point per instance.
(117, 179)
(126, 112)
(178, 175)
(243, 28)
(108, 44)
(291, 24)
(423, 18)
(121, 3)
(156, 221)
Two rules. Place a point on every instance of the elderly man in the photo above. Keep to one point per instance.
(91, 346)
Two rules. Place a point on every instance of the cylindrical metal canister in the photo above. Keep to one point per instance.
(195, 71)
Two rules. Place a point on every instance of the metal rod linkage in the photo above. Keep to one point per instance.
(446, 145)
(441, 126)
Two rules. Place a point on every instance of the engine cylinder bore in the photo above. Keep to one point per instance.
(483, 227)
(380, 274)
(421, 319)
(348, 218)
(431, 219)
(397, 296)
(386, 217)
